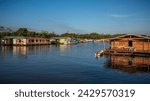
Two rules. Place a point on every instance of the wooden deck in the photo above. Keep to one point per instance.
(127, 53)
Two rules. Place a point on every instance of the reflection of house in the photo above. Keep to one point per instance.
(22, 50)
(130, 43)
(130, 64)
(17, 40)
(60, 40)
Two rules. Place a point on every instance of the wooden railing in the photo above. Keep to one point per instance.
(128, 49)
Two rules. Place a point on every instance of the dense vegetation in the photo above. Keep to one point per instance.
(45, 34)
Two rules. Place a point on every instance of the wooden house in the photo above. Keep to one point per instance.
(130, 43)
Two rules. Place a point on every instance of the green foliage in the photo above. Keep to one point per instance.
(93, 35)
(21, 32)
(45, 34)
(72, 35)
(25, 32)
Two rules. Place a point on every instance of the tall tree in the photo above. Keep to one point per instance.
(22, 32)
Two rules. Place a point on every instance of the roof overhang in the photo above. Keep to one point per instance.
(129, 37)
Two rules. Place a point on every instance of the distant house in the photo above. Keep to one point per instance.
(60, 40)
(130, 43)
(20, 40)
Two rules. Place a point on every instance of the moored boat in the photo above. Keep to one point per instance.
(99, 53)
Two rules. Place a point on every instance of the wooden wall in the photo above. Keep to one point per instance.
(139, 46)
(31, 41)
(118, 45)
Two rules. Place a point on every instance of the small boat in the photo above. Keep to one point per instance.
(99, 53)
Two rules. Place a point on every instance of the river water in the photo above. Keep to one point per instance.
(67, 64)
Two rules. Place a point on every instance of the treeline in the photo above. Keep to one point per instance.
(45, 34)
(25, 32)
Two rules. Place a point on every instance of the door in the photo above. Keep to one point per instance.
(130, 43)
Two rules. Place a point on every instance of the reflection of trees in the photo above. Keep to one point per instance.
(129, 64)
(5, 49)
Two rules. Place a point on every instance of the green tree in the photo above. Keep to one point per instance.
(21, 32)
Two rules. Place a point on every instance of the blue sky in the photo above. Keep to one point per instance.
(79, 16)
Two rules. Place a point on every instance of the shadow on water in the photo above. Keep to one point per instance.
(128, 64)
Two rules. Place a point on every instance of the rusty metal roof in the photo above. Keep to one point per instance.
(133, 36)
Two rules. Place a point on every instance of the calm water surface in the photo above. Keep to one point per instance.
(65, 64)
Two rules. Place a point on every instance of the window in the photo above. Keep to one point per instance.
(19, 41)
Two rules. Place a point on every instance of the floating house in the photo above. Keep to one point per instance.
(60, 40)
(20, 40)
(130, 43)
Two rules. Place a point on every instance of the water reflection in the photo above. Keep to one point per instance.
(129, 64)
(68, 64)
(24, 51)
(21, 50)
(5, 49)
(63, 47)
(38, 49)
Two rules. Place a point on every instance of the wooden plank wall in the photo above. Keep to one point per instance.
(140, 46)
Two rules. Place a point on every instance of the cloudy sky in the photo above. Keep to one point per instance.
(81, 16)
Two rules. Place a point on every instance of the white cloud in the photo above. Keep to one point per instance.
(119, 15)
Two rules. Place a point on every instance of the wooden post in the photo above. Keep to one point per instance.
(143, 46)
(148, 45)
